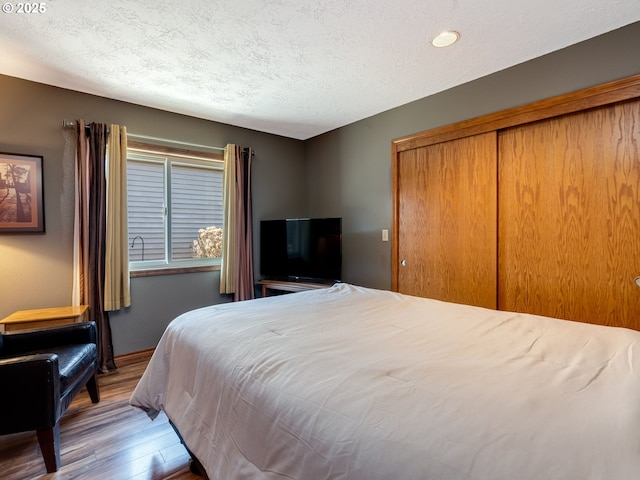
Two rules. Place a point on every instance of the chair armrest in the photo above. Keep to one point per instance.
(18, 342)
(30, 397)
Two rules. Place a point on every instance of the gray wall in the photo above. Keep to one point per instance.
(35, 270)
(349, 169)
(346, 172)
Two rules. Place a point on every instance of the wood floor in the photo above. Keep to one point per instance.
(110, 440)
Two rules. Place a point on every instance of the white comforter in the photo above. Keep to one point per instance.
(358, 384)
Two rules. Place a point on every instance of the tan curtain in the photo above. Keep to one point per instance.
(229, 243)
(116, 283)
(90, 233)
(236, 273)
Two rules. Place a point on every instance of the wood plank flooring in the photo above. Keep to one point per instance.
(110, 440)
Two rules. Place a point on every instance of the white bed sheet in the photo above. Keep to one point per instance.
(359, 384)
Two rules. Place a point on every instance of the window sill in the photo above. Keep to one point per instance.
(153, 272)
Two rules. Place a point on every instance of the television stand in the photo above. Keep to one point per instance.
(278, 287)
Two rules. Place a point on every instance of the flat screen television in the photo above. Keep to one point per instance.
(301, 249)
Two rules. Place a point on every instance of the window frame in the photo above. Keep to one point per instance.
(168, 155)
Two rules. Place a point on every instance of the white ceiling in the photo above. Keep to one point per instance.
(296, 68)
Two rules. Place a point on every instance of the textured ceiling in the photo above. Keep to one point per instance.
(296, 68)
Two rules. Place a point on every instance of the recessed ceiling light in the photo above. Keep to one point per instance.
(445, 39)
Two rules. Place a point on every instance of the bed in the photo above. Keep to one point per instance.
(353, 383)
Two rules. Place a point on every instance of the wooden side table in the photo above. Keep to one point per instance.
(43, 317)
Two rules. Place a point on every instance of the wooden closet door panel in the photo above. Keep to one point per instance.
(569, 216)
(447, 221)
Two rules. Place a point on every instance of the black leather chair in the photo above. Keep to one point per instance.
(41, 371)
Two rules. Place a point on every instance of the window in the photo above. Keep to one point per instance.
(175, 207)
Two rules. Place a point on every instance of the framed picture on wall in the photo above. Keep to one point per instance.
(21, 195)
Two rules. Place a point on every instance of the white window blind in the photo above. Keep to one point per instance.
(196, 202)
(172, 199)
(147, 221)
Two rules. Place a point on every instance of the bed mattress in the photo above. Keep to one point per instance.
(353, 383)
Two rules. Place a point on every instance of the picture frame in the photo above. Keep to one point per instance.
(21, 193)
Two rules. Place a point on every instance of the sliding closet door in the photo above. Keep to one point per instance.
(569, 216)
(446, 210)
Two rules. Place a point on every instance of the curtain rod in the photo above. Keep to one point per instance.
(177, 142)
(72, 124)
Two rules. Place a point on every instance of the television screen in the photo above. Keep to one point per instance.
(301, 249)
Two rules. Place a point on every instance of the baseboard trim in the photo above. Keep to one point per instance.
(134, 357)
